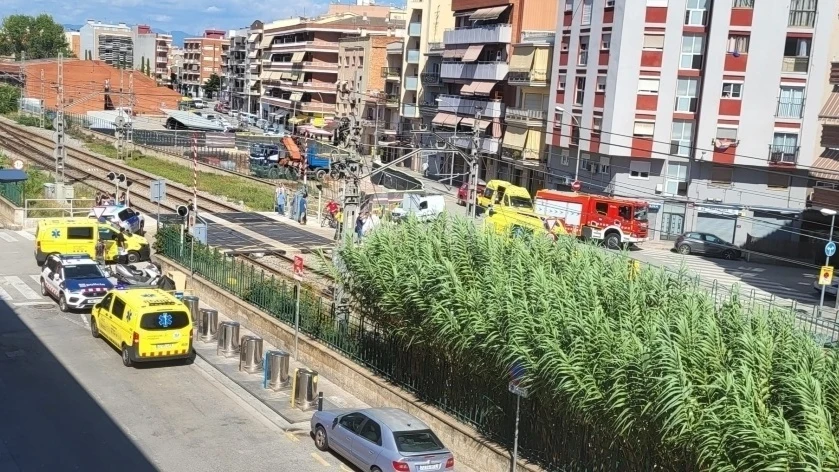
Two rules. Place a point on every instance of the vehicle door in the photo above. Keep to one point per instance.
(129, 219)
(423, 212)
(50, 276)
(345, 434)
(103, 319)
(696, 241)
(81, 240)
(117, 323)
(108, 235)
(368, 445)
(714, 245)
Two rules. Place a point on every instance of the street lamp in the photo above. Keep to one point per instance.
(832, 215)
(561, 110)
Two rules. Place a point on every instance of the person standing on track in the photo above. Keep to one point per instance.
(281, 201)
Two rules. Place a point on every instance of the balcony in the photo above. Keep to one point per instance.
(498, 33)
(532, 78)
(413, 56)
(496, 71)
(790, 108)
(436, 49)
(488, 145)
(536, 118)
(795, 64)
(391, 100)
(430, 78)
(414, 28)
(391, 73)
(395, 48)
(411, 83)
(316, 107)
(468, 106)
(308, 87)
(317, 66)
(409, 110)
(802, 18)
(162, 49)
(783, 155)
(428, 108)
(304, 46)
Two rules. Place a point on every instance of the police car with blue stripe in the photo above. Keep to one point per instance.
(122, 216)
(75, 280)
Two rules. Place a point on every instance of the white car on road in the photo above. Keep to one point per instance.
(122, 216)
(75, 280)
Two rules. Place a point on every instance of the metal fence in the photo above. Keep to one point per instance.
(13, 192)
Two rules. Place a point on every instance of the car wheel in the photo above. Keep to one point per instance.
(62, 303)
(320, 174)
(684, 249)
(44, 287)
(321, 441)
(94, 329)
(375, 469)
(613, 241)
(729, 255)
(191, 359)
(133, 257)
(126, 357)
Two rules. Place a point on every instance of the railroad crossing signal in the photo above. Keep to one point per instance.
(826, 275)
(298, 268)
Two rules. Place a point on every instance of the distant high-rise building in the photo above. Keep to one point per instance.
(202, 58)
(110, 43)
(151, 52)
(74, 43)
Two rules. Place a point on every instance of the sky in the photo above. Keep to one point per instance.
(192, 16)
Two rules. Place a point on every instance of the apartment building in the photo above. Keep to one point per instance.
(699, 109)
(74, 43)
(176, 64)
(825, 169)
(363, 66)
(242, 65)
(202, 59)
(474, 60)
(105, 42)
(151, 52)
(300, 61)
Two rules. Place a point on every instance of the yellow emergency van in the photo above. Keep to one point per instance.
(521, 223)
(500, 193)
(145, 324)
(80, 235)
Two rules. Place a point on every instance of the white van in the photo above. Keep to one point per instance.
(198, 103)
(423, 207)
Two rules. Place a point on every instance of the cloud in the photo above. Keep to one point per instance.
(212, 9)
(161, 18)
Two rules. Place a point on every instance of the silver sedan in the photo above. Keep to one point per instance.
(381, 439)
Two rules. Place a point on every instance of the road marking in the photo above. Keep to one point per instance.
(21, 287)
(36, 278)
(292, 437)
(84, 320)
(4, 295)
(345, 468)
(28, 303)
(26, 235)
(320, 459)
(7, 237)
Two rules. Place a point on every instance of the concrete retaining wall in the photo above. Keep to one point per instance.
(465, 442)
(11, 216)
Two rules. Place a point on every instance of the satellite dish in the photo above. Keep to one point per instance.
(440, 145)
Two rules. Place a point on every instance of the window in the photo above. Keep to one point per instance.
(569, 5)
(743, 4)
(639, 170)
(729, 134)
(802, 13)
(691, 57)
(776, 180)
(372, 432)
(654, 42)
(596, 124)
(119, 308)
(564, 43)
(164, 320)
(643, 129)
(681, 137)
(561, 82)
(585, 18)
(604, 166)
(353, 422)
(601, 208)
(582, 57)
(676, 181)
(784, 148)
(696, 12)
(625, 212)
(606, 41)
(790, 102)
(417, 441)
(722, 175)
(85, 233)
(648, 86)
(586, 164)
(575, 134)
(563, 158)
(601, 83)
(732, 90)
(797, 47)
(738, 43)
(580, 91)
(686, 88)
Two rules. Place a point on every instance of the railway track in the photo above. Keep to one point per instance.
(91, 170)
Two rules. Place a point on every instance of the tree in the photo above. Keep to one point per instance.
(148, 67)
(143, 64)
(38, 37)
(213, 85)
(9, 97)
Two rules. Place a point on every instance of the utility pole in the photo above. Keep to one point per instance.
(22, 80)
(472, 187)
(128, 124)
(119, 123)
(248, 74)
(60, 151)
(43, 99)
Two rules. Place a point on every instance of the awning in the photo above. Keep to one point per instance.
(266, 42)
(830, 136)
(297, 120)
(831, 107)
(298, 56)
(491, 13)
(533, 144)
(252, 54)
(252, 83)
(296, 96)
(12, 175)
(515, 137)
(314, 131)
(522, 59)
(472, 53)
(468, 89)
(826, 166)
(470, 122)
(294, 76)
(253, 37)
(484, 88)
(445, 119)
(454, 53)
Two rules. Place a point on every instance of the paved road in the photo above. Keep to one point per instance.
(67, 403)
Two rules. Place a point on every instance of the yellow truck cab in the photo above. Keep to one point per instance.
(145, 324)
(80, 235)
(500, 193)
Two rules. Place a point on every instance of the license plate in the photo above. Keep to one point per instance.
(170, 346)
(430, 467)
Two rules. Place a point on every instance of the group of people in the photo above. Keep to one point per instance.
(104, 199)
(298, 204)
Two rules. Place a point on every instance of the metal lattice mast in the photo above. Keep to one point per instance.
(129, 125)
(119, 127)
(60, 151)
(472, 190)
(194, 210)
(22, 80)
(43, 98)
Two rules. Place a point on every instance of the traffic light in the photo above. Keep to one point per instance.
(121, 178)
(826, 275)
(182, 211)
(111, 176)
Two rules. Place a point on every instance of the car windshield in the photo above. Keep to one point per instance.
(640, 214)
(164, 320)
(85, 271)
(417, 441)
(520, 202)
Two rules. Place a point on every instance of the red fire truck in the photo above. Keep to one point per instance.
(614, 221)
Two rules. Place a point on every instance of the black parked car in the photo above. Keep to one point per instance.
(706, 244)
